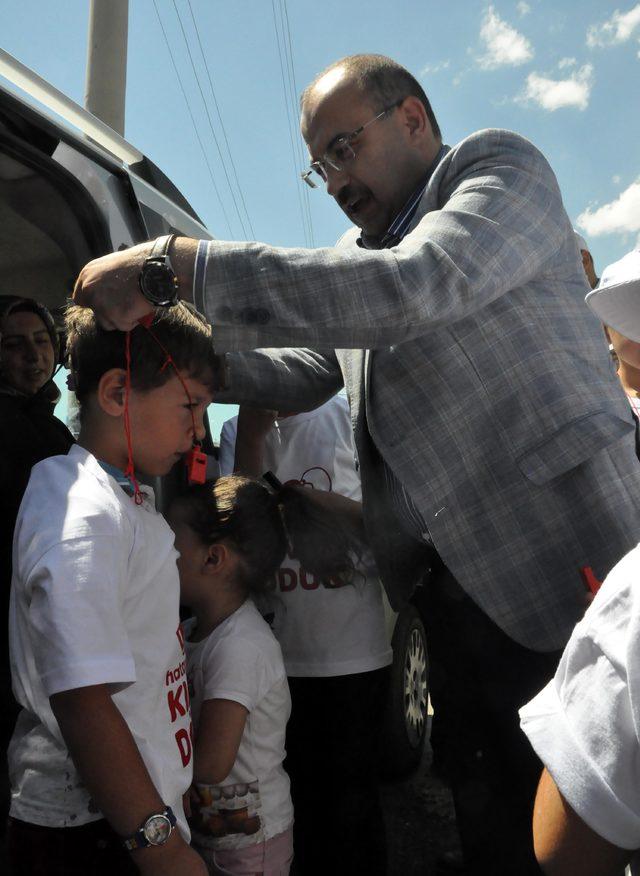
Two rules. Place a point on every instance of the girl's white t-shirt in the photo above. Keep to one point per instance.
(322, 631)
(95, 600)
(242, 661)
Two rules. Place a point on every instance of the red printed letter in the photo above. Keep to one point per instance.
(287, 580)
(174, 700)
(307, 584)
(184, 745)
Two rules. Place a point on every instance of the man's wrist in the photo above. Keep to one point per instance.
(182, 252)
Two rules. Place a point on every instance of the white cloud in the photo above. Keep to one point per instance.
(617, 29)
(554, 94)
(523, 8)
(434, 68)
(621, 215)
(563, 63)
(505, 46)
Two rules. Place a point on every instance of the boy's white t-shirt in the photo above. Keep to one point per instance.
(585, 724)
(241, 661)
(322, 631)
(95, 600)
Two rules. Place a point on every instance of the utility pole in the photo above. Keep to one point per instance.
(106, 80)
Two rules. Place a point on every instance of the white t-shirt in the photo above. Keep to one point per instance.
(241, 661)
(95, 599)
(585, 724)
(323, 631)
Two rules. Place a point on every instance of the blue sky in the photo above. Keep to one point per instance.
(565, 75)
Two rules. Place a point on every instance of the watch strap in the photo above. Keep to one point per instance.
(160, 248)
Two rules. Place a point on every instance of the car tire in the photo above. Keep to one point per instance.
(405, 724)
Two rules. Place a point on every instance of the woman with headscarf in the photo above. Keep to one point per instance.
(29, 432)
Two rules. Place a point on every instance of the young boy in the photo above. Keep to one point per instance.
(101, 755)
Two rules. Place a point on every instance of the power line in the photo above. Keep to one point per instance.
(294, 157)
(193, 121)
(305, 189)
(224, 133)
(213, 133)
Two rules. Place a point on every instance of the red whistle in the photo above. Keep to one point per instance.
(196, 462)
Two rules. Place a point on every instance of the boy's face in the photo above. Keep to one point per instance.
(162, 425)
(27, 352)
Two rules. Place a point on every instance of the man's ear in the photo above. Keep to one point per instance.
(111, 392)
(414, 116)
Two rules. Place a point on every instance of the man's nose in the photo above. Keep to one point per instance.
(336, 180)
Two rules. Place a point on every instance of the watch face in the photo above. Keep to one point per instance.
(159, 282)
(157, 829)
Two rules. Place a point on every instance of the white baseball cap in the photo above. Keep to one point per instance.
(616, 298)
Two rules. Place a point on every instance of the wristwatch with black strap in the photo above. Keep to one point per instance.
(157, 279)
(155, 831)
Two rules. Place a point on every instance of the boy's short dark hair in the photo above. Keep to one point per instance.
(92, 351)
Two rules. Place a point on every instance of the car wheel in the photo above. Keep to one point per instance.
(405, 724)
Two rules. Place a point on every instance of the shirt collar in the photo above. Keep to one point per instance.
(400, 225)
(118, 475)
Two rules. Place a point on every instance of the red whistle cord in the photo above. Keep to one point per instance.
(129, 471)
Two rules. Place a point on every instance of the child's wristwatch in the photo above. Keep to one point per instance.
(155, 831)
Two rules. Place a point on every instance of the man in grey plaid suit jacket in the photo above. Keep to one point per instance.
(487, 418)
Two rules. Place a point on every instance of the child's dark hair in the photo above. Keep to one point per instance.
(260, 525)
(182, 331)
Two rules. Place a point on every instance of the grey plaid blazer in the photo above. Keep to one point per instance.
(472, 365)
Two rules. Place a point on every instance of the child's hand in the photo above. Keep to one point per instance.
(192, 803)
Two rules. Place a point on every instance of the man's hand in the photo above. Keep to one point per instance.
(110, 285)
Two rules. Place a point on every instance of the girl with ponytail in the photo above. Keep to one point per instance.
(232, 535)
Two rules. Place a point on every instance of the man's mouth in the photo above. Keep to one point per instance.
(353, 203)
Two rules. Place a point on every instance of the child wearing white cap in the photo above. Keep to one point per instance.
(618, 292)
(585, 724)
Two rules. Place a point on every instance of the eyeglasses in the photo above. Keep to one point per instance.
(340, 151)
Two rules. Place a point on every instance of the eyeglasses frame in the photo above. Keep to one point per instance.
(317, 166)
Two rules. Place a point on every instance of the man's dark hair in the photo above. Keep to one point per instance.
(92, 350)
(383, 80)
